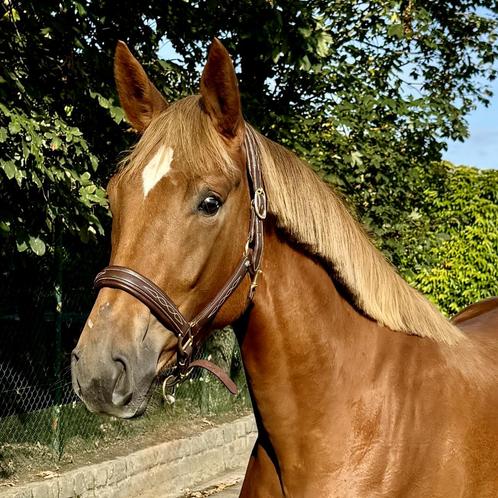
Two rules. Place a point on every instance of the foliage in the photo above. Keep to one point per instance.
(59, 137)
(461, 266)
(368, 92)
(46, 161)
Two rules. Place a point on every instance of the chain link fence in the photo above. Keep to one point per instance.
(44, 427)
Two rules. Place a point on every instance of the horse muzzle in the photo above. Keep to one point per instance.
(117, 385)
(115, 376)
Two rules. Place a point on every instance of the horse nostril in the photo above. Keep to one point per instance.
(122, 392)
(74, 356)
(74, 376)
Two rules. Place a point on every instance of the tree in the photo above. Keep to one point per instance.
(58, 133)
(366, 91)
(459, 263)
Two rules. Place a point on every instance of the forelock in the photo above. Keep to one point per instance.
(187, 129)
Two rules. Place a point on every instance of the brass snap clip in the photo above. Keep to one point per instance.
(169, 389)
(254, 284)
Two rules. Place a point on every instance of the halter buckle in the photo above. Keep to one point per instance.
(259, 203)
(182, 346)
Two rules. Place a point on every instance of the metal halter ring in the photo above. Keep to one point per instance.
(259, 203)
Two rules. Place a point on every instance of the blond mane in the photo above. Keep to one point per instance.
(309, 211)
(312, 213)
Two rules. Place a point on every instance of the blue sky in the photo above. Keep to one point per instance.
(481, 148)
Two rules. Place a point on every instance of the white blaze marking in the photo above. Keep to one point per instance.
(90, 323)
(158, 167)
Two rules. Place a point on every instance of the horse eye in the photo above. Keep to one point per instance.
(210, 205)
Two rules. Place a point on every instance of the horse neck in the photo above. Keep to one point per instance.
(309, 354)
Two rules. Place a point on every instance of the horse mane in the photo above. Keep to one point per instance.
(306, 209)
(314, 215)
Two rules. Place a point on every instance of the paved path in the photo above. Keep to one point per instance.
(222, 490)
(231, 492)
(225, 486)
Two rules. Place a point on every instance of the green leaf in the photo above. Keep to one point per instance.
(94, 162)
(55, 143)
(46, 32)
(12, 14)
(9, 168)
(14, 127)
(356, 158)
(36, 179)
(117, 114)
(305, 63)
(395, 30)
(21, 246)
(4, 110)
(37, 246)
(105, 103)
(80, 8)
(19, 175)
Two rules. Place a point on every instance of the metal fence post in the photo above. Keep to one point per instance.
(57, 408)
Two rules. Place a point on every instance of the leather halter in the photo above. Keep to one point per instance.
(165, 310)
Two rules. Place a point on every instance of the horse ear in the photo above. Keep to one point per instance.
(220, 91)
(140, 99)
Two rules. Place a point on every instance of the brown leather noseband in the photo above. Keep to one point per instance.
(165, 310)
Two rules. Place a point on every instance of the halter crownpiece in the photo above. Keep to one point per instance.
(165, 310)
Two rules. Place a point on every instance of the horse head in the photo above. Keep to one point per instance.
(180, 209)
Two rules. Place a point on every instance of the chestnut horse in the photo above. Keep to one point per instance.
(360, 386)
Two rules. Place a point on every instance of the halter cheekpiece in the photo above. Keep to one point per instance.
(165, 310)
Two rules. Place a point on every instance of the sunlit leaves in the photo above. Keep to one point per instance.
(44, 158)
(115, 111)
(459, 264)
(37, 246)
(367, 92)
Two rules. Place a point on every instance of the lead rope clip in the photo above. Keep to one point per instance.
(169, 389)
(254, 284)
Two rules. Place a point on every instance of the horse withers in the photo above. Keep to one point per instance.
(360, 386)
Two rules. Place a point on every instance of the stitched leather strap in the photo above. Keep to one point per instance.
(146, 291)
